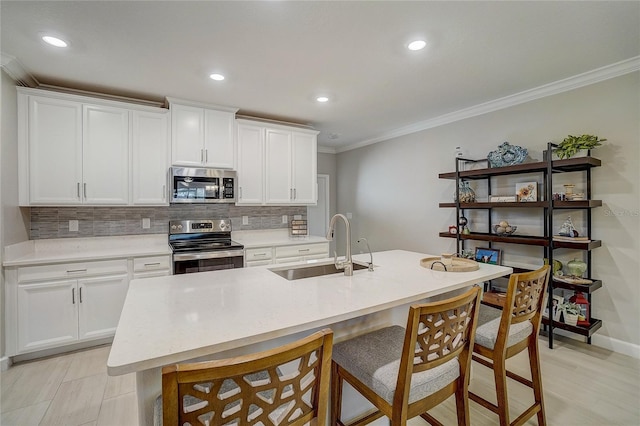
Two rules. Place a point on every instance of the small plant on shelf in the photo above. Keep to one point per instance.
(572, 144)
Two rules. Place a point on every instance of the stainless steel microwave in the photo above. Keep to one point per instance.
(202, 185)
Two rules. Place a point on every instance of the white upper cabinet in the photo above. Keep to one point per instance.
(250, 164)
(54, 152)
(282, 159)
(77, 150)
(105, 155)
(151, 157)
(202, 136)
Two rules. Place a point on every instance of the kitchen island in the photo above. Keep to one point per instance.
(225, 313)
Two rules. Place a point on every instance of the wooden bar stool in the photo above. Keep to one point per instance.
(503, 334)
(405, 372)
(288, 385)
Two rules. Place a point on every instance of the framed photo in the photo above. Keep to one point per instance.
(488, 255)
(527, 191)
(556, 311)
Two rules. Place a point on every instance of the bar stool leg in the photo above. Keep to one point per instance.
(502, 399)
(536, 379)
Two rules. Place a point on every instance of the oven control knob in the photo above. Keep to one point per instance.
(180, 227)
(173, 227)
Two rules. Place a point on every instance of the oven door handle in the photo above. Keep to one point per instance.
(177, 257)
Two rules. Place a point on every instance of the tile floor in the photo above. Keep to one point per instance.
(583, 385)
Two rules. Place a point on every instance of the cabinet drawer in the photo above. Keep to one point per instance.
(302, 250)
(151, 263)
(258, 263)
(254, 254)
(72, 270)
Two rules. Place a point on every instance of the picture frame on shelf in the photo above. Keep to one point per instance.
(556, 310)
(488, 255)
(527, 191)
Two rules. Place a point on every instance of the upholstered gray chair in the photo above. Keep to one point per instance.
(287, 386)
(405, 372)
(504, 333)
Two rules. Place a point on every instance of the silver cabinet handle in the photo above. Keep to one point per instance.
(78, 189)
(80, 294)
(294, 194)
(260, 254)
(206, 155)
(148, 265)
(73, 296)
(303, 250)
(85, 190)
(202, 155)
(75, 271)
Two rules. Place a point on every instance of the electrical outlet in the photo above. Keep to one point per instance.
(285, 219)
(245, 220)
(73, 226)
(146, 223)
(349, 215)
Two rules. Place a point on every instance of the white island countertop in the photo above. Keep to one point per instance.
(172, 319)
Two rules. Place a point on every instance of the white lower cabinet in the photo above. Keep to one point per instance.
(151, 266)
(67, 303)
(286, 254)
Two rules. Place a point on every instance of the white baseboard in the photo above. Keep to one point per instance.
(615, 345)
(5, 363)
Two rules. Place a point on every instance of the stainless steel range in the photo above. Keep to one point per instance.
(203, 245)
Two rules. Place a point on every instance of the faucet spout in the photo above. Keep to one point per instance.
(347, 263)
(360, 240)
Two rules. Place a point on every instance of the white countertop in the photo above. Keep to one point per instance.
(272, 238)
(175, 318)
(60, 250)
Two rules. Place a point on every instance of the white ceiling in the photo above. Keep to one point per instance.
(277, 56)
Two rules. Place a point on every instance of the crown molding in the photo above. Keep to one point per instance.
(16, 71)
(326, 149)
(585, 79)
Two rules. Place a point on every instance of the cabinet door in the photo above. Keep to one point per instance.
(219, 142)
(304, 168)
(278, 187)
(101, 301)
(105, 154)
(55, 151)
(187, 135)
(250, 164)
(47, 314)
(151, 157)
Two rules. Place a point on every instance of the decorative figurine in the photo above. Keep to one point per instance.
(567, 229)
(507, 155)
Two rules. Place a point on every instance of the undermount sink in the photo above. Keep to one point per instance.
(298, 272)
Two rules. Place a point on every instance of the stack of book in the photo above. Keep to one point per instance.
(571, 239)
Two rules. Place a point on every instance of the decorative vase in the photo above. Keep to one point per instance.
(571, 319)
(467, 195)
(576, 267)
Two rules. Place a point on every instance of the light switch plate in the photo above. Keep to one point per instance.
(349, 215)
(245, 220)
(73, 226)
(284, 218)
(146, 223)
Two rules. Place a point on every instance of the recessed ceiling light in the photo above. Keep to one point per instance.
(322, 99)
(54, 41)
(417, 45)
(216, 77)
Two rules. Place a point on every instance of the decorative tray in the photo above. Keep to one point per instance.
(459, 264)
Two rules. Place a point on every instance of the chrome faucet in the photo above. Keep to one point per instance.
(370, 253)
(347, 263)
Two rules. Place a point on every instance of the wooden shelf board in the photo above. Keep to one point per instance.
(487, 205)
(583, 204)
(589, 245)
(582, 330)
(513, 239)
(568, 165)
(585, 288)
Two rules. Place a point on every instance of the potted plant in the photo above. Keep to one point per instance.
(571, 311)
(572, 144)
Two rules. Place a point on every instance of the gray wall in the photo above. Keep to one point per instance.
(392, 188)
